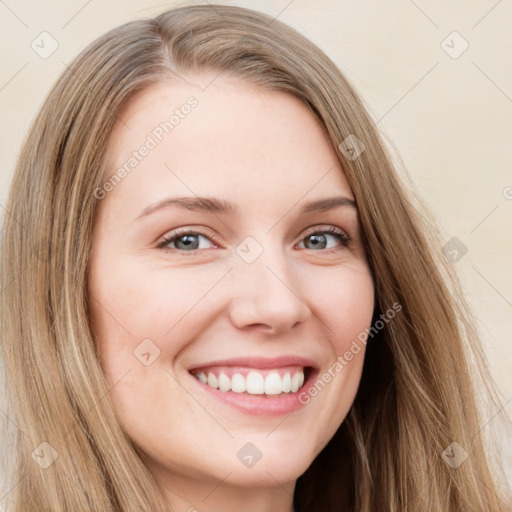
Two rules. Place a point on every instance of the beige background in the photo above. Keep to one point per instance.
(449, 116)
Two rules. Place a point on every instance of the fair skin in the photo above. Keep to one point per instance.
(307, 294)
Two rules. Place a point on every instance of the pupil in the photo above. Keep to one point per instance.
(188, 241)
(316, 242)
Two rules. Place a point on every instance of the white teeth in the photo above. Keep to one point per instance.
(238, 384)
(212, 381)
(287, 383)
(273, 385)
(224, 382)
(254, 383)
(295, 383)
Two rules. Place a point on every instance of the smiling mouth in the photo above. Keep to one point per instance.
(253, 381)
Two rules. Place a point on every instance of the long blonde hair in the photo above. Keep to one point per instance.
(418, 391)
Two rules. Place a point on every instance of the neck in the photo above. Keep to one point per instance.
(187, 494)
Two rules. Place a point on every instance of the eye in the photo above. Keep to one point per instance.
(319, 239)
(185, 240)
(189, 240)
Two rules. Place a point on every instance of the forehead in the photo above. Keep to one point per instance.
(220, 137)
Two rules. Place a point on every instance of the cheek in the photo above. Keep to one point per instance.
(151, 298)
(344, 304)
(343, 301)
(133, 303)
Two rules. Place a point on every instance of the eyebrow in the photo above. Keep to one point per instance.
(223, 207)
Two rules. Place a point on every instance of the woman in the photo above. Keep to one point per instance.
(223, 296)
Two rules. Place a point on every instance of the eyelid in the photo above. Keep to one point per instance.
(325, 228)
(166, 239)
(330, 229)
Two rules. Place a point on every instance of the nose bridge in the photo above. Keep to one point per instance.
(265, 288)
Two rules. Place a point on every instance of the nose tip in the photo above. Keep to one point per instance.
(268, 302)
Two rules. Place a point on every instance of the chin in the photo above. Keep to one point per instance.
(279, 461)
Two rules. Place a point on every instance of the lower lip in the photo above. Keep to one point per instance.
(260, 404)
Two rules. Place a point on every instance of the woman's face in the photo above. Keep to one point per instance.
(237, 284)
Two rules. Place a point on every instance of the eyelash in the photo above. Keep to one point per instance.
(332, 230)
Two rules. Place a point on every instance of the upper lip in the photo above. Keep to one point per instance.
(259, 362)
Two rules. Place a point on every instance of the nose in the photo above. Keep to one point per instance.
(266, 295)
